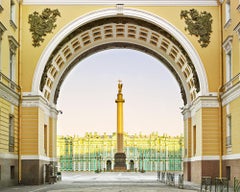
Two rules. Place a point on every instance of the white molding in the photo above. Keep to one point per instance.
(29, 100)
(231, 157)
(210, 101)
(227, 44)
(104, 13)
(8, 156)
(231, 95)
(237, 29)
(37, 157)
(202, 158)
(126, 2)
(9, 95)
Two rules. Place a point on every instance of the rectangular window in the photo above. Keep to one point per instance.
(11, 133)
(228, 172)
(12, 172)
(45, 139)
(194, 140)
(229, 131)
(228, 66)
(12, 71)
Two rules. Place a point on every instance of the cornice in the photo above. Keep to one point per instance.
(231, 94)
(125, 2)
(30, 100)
(202, 158)
(9, 95)
(231, 157)
(8, 156)
(210, 101)
(37, 157)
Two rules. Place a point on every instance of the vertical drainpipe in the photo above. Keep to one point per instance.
(220, 91)
(20, 96)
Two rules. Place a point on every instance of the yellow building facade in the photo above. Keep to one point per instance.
(42, 40)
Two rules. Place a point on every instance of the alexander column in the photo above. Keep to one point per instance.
(120, 157)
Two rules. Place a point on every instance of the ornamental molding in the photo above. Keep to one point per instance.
(9, 95)
(231, 157)
(2, 29)
(227, 44)
(37, 157)
(29, 100)
(42, 24)
(204, 102)
(198, 24)
(237, 29)
(8, 156)
(125, 2)
(41, 73)
(231, 95)
(210, 101)
(202, 158)
(13, 44)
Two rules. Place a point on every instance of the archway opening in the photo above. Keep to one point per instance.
(152, 108)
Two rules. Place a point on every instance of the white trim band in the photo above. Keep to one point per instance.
(37, 157)
(8, 156)
(202, 158)
(126, 2)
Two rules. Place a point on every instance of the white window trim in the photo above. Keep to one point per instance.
(237, 28)
(227, 46)
(227, 14)
(2, 30)
(13, 14)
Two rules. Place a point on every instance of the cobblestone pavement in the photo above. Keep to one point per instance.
(103, 182)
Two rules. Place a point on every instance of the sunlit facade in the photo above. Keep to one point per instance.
(31, 75)
(95, 152)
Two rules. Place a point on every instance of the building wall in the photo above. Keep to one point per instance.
(143, 153)
(230, 92)
(9, 96)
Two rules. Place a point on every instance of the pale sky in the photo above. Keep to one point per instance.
(152, 95)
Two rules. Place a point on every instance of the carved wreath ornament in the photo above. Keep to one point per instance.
(42, 24)
(198, 24)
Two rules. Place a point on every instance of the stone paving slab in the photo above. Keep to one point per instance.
(103, 182)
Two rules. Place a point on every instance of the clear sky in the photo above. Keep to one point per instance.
(152, 95)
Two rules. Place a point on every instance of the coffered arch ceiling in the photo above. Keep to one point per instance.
(121, 31)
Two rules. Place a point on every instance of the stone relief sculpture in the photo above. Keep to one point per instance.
(198, 24)
(41, 24)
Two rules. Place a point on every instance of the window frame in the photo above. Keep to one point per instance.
(11, 133)
(13, 14)
(229, 130)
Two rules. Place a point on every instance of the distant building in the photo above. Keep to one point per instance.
(95, 152)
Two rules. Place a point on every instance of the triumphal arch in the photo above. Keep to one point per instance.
(185, 35)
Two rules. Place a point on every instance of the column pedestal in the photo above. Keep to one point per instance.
(120, 162)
